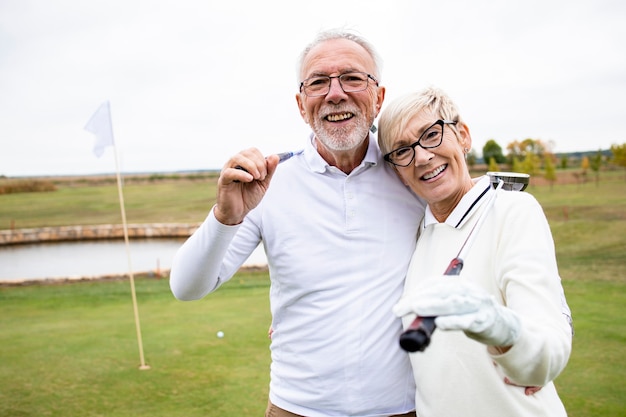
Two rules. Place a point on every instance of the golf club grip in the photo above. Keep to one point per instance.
(416, 337)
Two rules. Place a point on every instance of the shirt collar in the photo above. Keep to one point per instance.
(373, 156)
(470, 201)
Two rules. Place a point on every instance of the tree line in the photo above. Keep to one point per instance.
(535, 157)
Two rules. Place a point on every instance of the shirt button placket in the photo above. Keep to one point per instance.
(350, 201)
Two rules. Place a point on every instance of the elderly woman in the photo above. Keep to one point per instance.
(504, 317)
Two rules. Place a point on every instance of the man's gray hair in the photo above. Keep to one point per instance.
(331, 34)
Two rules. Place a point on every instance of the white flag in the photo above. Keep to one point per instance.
(100, 125)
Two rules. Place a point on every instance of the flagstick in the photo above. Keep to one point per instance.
(143, 365)
(101, 126)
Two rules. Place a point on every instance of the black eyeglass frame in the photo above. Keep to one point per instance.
(412, 146)
(330, 79)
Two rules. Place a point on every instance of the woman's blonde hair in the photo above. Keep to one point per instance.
(399, 112)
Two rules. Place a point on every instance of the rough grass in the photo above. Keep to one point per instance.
(13, 186)
(144, 202)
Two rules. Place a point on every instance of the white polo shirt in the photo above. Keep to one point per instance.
(338, 248)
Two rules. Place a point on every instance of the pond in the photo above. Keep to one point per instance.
(86, 259)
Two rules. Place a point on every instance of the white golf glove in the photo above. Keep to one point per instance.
(460, 305)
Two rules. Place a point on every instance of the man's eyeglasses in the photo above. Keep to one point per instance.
(350, 82)
(431, 138)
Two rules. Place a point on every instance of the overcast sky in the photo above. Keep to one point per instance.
(192, 82)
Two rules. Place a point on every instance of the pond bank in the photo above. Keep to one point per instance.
(95, 232)
(35, 241)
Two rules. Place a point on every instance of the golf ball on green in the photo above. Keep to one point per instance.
(220, 334)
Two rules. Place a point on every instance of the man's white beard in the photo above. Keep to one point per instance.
(342, 138)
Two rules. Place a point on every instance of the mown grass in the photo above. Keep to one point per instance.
(71, 349)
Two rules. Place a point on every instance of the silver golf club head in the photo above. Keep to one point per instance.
(513, 181)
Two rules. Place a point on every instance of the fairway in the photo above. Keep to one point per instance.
(71, 349)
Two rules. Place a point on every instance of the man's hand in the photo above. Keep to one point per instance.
(242, 184)
(527, 390)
